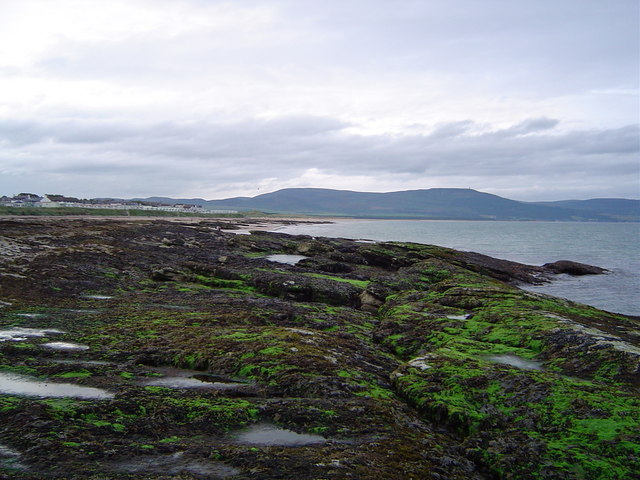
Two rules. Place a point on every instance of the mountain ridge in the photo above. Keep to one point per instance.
(434, 203)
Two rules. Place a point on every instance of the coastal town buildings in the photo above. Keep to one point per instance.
(59, 201)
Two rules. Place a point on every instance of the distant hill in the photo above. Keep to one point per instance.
(618, 208)
(435, 203)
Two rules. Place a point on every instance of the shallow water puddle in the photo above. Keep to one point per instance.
(17, 334)
(178, 378)
(288, 259)
(7, 452)
(169, 306)
(190, 382)
(30, 315)
(175, 464)
(14, 384)
(77, 362)
(65, 346)
(271, 435)
(89, 311)
(515, 361)
(457, 317)
(97, 297)
(10, 459)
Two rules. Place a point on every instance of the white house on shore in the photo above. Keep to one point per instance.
(57, 201)
(48, 203)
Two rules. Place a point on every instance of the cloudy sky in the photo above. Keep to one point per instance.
(530, 99)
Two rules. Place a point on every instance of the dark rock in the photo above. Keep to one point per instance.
(312, 248)
(326, 266)
(574, 268)
(504, 270)
(166, 275)
(369, 302)
(384, 259)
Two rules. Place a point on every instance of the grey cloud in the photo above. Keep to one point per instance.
(613, 141)
(173, 153)
(29, 132)
(495, 42)
(194, 138)
(531, 125)
(451, 129)
(21, 132)
(547, 46)
(99, 168)
(417, 62)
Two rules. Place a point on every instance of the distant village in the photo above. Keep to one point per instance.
(55, 201)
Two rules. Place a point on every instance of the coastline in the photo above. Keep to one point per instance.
(186, 338)
(609, 245)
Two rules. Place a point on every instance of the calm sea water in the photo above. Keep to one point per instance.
(614, 246)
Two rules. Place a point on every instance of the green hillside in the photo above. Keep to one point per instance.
(435, 203)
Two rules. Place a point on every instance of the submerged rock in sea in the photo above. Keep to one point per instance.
(573, 268)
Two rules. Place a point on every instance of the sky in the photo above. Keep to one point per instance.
(529, 99)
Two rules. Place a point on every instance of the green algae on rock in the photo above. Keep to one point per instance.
(410, 361)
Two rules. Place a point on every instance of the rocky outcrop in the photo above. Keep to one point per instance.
(573, 268)
(409, 361)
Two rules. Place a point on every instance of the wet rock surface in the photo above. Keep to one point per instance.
(573, 268)
(361, 360)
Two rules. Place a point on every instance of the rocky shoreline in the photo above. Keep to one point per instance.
(146, 348)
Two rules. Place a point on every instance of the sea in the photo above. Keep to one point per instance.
(614, 246)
